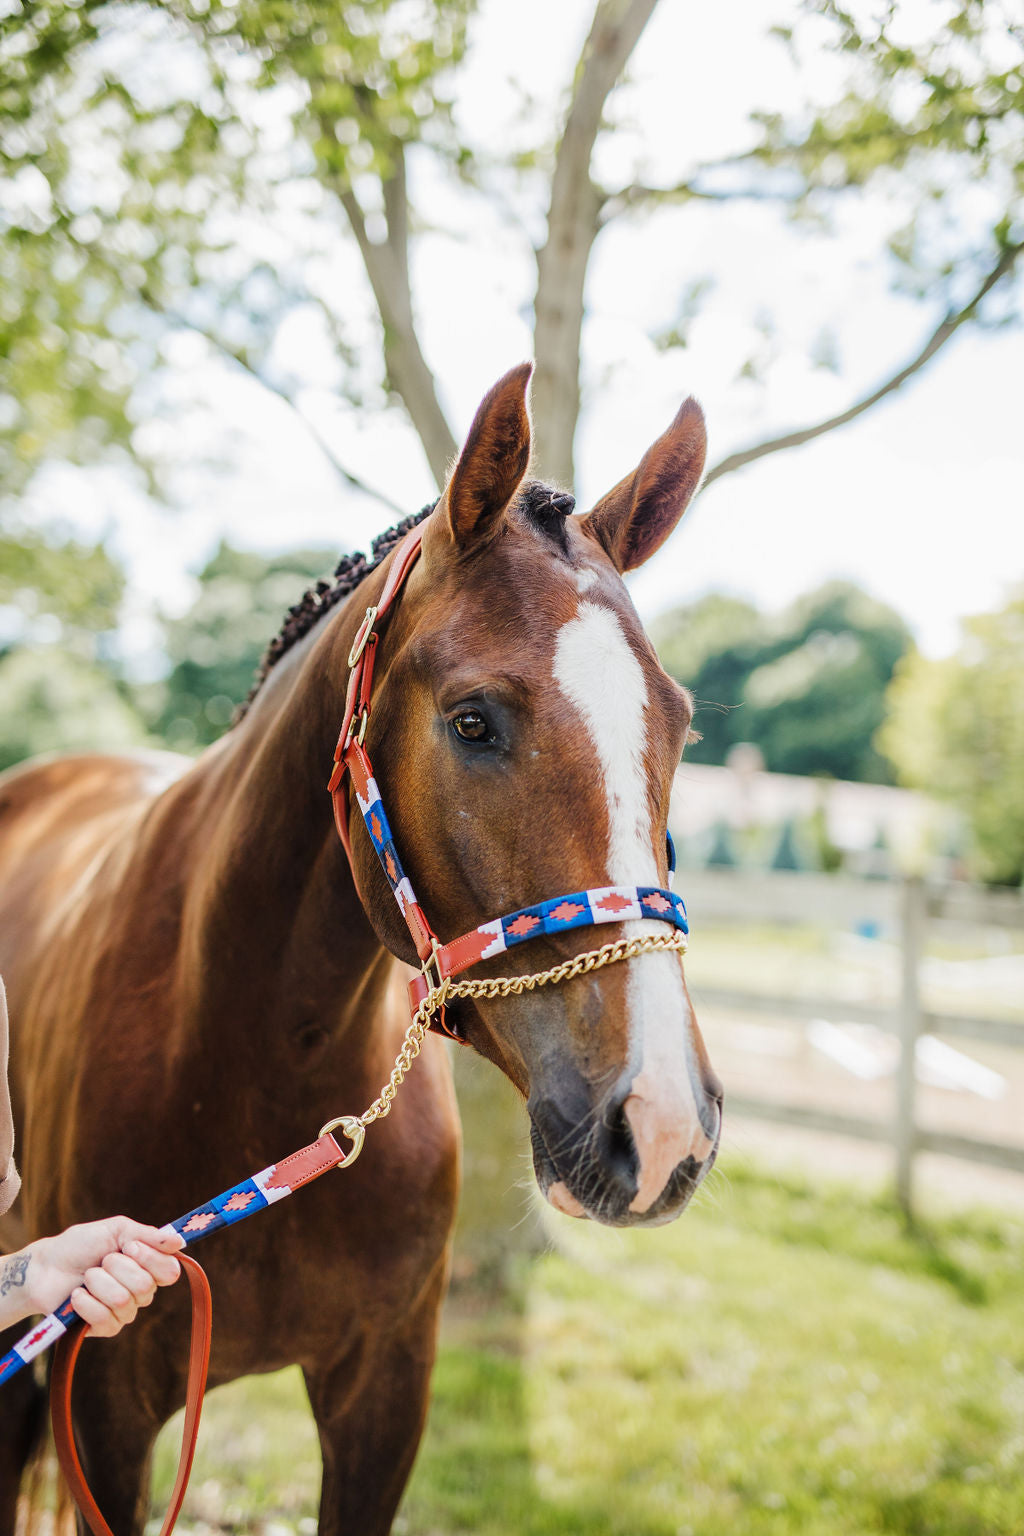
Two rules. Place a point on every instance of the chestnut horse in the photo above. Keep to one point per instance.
(195, 984)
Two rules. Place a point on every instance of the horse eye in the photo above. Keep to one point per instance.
(470, 725)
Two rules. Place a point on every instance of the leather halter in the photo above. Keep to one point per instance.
(608, 904)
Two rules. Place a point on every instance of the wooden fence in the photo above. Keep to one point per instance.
(904, 909)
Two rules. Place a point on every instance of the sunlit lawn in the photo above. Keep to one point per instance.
(783, 1359)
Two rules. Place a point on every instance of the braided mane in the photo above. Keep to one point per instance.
(547, 507)
(319, 599)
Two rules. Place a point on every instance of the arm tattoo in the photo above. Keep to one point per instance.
(13, 1272)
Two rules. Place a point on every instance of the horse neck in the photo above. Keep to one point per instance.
(273, 928)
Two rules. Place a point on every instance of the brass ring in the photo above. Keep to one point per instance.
(354, 1130)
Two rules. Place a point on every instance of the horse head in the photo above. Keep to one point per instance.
(524, 738)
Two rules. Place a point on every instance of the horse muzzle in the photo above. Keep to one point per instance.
(634, 1159)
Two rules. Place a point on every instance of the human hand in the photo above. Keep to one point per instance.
(109, 1269)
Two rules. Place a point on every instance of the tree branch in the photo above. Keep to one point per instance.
(573, 222)
(149, 299)
(347, 476)
(938, 339)
(396, 215)
(387, 267)
(637, 194)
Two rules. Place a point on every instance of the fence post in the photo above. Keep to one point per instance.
(913, 912)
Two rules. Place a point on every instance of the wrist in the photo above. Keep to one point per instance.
(19, 1278)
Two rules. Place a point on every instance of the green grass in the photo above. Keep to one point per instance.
(786, 1358)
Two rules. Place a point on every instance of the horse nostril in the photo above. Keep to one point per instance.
(618, 1149)
(620, 1136)
(709, 1108)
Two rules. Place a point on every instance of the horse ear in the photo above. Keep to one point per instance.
(494, 459)
(636, 518)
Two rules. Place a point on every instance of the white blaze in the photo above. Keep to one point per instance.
(597, 671)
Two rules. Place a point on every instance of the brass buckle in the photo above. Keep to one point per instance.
(357, 735)
(362, 638)
(442, 983)
(353, 1129)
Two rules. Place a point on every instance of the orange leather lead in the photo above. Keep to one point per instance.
(65, 1358)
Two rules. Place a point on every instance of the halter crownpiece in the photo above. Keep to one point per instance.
(441, 962)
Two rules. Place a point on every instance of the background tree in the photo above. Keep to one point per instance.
(925, 116)
(956, 728)
(807, 687)
(61, 586)
(711, 647)
(206, 193)
(60, 686)
(52, 700)
(215, 647)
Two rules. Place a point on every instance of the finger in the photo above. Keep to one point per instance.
(136, 1280)
(164, 1238)
(102, 1322)
(162, 1266)
(111, 1293)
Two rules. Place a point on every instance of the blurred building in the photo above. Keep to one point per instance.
(740, 814)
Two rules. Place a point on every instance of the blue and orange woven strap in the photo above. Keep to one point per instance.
(580, 909)
(265, 1188)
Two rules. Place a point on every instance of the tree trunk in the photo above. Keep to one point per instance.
(573, 223)
(561, 274)
(387, 267)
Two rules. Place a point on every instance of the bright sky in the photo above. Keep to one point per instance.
(920, 501)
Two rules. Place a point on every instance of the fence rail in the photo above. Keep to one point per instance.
(954, 1026)
(907, 907)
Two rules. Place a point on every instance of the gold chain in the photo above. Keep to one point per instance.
(355, 1126)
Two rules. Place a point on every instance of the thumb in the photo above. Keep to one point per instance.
(166, 1239)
